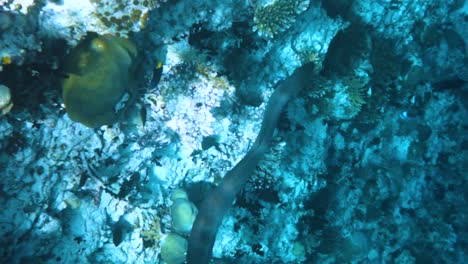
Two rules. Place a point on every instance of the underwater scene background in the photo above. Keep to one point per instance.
(241, 131)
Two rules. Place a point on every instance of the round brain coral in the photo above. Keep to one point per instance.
(100, 74)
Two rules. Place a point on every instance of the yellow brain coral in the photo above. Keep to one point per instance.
(100, 74)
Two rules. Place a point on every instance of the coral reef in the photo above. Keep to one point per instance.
(71, 20)
(367, 164)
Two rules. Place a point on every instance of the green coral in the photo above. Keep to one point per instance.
(5, 100)
(278, 16)
(183, 212)
(100, 76)
(173, 249)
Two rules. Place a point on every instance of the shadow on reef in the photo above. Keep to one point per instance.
(36, 82)
(235, 45)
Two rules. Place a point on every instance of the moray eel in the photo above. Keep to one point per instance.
(216, 204)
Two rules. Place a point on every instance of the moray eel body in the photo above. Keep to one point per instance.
(216, 204)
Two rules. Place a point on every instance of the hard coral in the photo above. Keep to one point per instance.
(278, 16)
(183, 212)
(173, 249)
(5, 100)
(124, 16)
(99, 71)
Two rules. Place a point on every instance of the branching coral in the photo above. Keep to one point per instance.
(278, 16)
